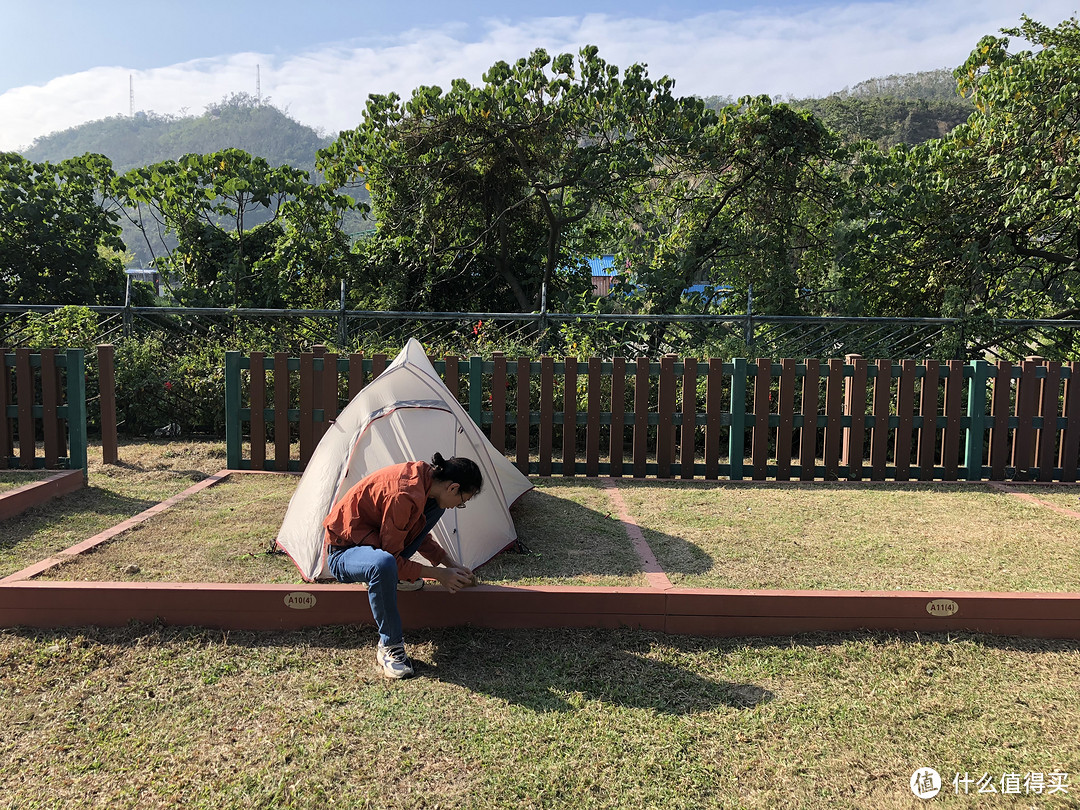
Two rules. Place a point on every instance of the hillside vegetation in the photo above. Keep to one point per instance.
(238, 122)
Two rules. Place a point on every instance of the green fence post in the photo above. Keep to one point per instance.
(476, 394)
(976, 408)
(737, 437)
(233, 436)
(76, 404)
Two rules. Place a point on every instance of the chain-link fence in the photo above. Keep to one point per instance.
(580, 335)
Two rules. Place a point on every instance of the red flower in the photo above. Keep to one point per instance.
(168, 385)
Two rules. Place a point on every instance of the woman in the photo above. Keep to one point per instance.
(383, 520)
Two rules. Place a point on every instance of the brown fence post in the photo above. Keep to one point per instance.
(641, 417)
(1069, 459)
(1047, 445)
(107, 399)
(834, 418)
(547, 413)
(498, 402)
(759, 435)
(714, 406)
(328, 392)
(257, 400)
(1026, 403)
(5, 400)
(808, 433)
(592, 424)
(688, 432)
(928, 408)
(307, 407)
(569, 427)
(282, 431)
(521, 424)
(855, 406)
(356, 374)
(786, 409)
(24, 382)
(879, 436)
(50, 427)
(617, 438)
(665, 410)
(905, 410)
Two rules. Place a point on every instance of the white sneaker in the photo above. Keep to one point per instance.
(410, 585)
(394, 662)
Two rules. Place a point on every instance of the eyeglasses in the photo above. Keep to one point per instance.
(463, 499)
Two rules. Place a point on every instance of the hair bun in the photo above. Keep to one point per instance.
(438, 461)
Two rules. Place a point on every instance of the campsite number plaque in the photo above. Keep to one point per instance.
(942, 607)
(298, 600)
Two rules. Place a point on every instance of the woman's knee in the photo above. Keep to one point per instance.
(384, 568)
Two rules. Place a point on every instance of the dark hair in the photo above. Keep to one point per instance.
(457, 470)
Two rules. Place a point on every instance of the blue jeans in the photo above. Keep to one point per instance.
(379, 570)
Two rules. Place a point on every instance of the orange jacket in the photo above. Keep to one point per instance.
(385, 510)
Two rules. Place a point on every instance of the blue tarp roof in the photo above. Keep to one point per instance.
(602, 265)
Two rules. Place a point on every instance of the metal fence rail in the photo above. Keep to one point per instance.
(580, 334)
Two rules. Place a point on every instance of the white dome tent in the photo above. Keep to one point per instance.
(406, 414)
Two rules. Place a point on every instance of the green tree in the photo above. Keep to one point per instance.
(985, 221)
(749, 201)
(487, 194)
(225, 228)
(58, 243)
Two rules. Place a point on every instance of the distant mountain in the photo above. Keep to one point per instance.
(908, 108)
(239, 122)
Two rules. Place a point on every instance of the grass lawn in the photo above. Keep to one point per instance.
(162, 717)
(855, 536)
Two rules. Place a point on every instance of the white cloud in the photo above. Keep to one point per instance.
(812, 52)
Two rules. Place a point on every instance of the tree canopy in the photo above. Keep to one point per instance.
(58, 244)
(985, 221)
(898, 197)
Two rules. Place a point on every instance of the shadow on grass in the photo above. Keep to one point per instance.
(558, 670)
(572, 532)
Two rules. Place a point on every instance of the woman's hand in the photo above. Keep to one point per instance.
(454, 578)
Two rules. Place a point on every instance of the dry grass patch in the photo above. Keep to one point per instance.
(855, 537)
(574, 539)
(148, 473)
(220, 534)
(13, 479)
(1064, 496)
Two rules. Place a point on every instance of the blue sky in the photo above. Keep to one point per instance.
(64, 62)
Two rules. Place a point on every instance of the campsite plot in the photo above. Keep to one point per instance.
(222, 534)
(855, 537)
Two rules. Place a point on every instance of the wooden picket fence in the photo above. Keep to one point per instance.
(683, 418)
(43, 399)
